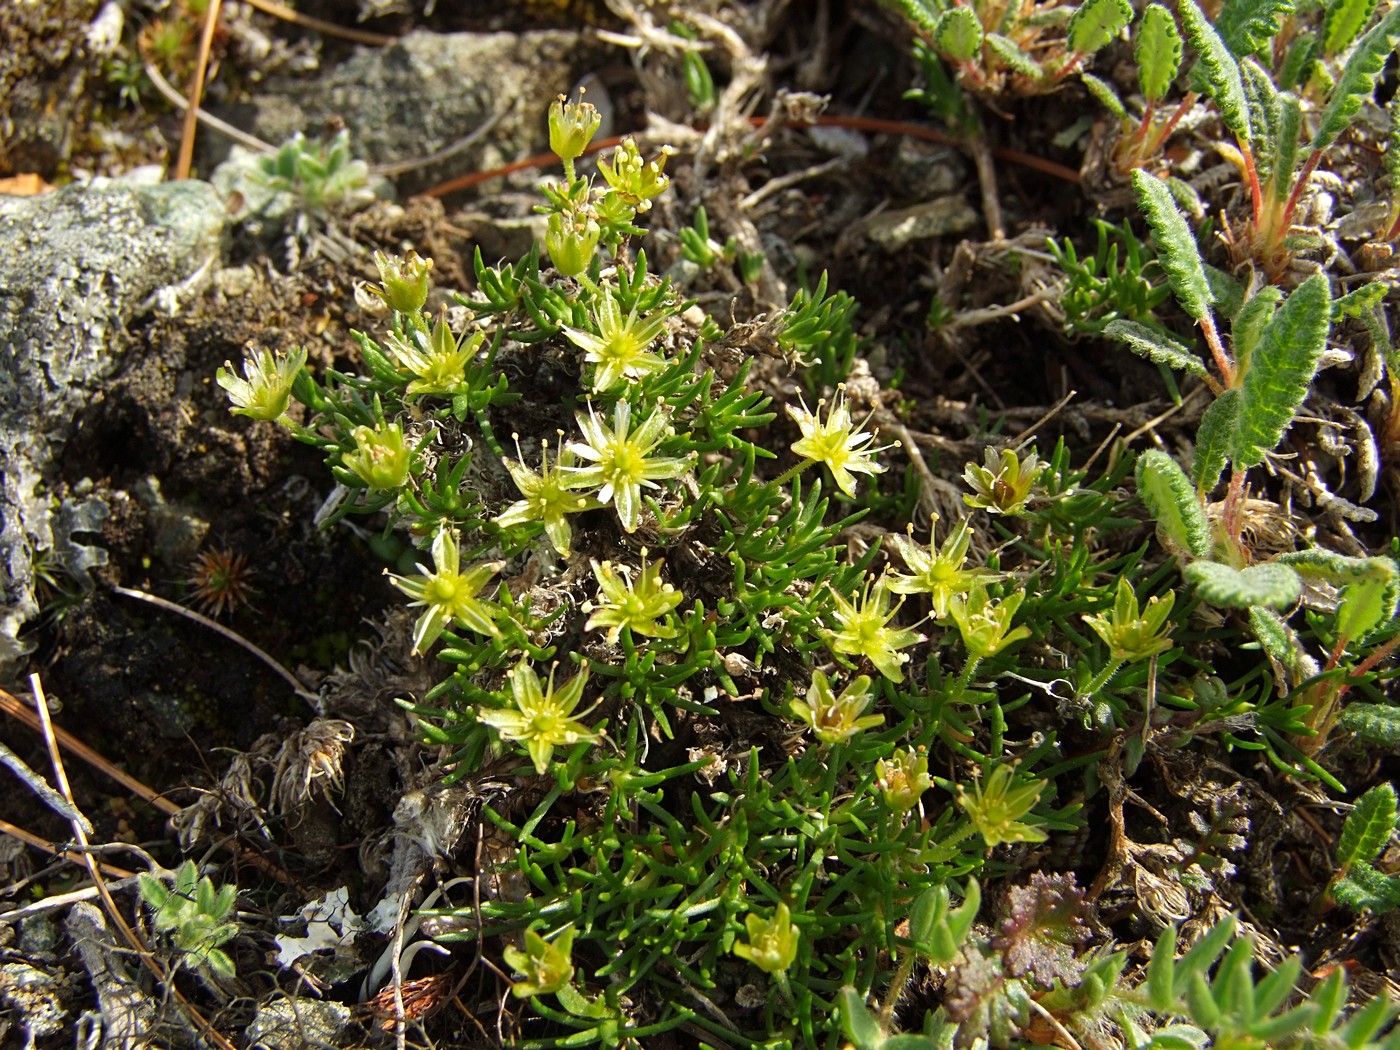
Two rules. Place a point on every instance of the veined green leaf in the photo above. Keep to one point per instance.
(1276, 586)
(1249, 26)
(1105, 94)
(1263, 99)
(1176, 248)
(1095, 23)
(1157, 52)
(1219, 69)
(1344, 22)
(1363, 887)
(1011, 53)
(1156, 346)
(1365, 605)
(1286, 138)
(1213, 439)
(1249, 324)
(1281, 369)
(1358, 79)
(1374, 723)
(1368, 827)
(958, 34)
(1300, 59)
(1366, 298)
(1172, 499)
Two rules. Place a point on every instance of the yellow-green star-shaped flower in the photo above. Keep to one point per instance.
(448, 594)
(838, 443)
(543, 717)
(941, 575)
(640, 605)
(863, 630)
(835, 719)
(547, 497)
(622, 461)
(619, 347)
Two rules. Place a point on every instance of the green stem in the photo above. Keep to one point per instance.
(902, 974)
(789, 475)
(1102, 678)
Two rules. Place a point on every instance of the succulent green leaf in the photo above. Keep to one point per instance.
(1156, 346)
(1248, 26)
(1205, 951)
(1374, 723)
(1368, 827)
(1105, 94)
(1176, 248)
(861, 1025)
(1213, 439)
(1172, 499)
(958, 34)
(1095, 23)
(1161, 970)
(1219, 70)
(1329, 997)
(1157, 52)
(1362, 1025)
(1281, 369)
(1358, 79)
(1344, 22)
(1014, 56)
(1276, 586)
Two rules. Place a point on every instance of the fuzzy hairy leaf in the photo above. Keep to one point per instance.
(1213, 439)
(1276, 586)
(1344, 22)
(1366, 298)
(1366, 604)
(1095, 23)
(1157, 52)
(861, 1025)
(1248, 26)
(958, 34)
(1374, 723)
(1286, 138)
(1172, 499)
(1156, 346)
(1012, 54)
(1273, 634)
(1176, 247)
(1043, 930)
(1368, 827)
(1358, 79)
(1219, 70)
(1365, 888)
(1105, 94)
(1249, 324)
(1281, 369)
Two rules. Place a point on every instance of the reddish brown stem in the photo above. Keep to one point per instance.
(1234, 508)
(1181, 110)
(889, 127)
(1311, 166)
(196, 92)
(1217, 350)
(1256, 195)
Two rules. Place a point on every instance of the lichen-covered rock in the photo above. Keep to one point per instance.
(427, 91)
(79, 265)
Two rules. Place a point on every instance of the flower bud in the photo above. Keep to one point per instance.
(405, 281)
(571, 127)
(571, 241)
(381, 458)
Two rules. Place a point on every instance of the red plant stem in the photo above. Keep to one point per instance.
(1256, 195)
(872, 124)
(1217, 349)
(1140, 135)
(1314, 159)
(1181, 110)
(1369, 664)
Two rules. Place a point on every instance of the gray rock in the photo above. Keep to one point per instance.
(79, 266)
(425, 92)
(289, 1024)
